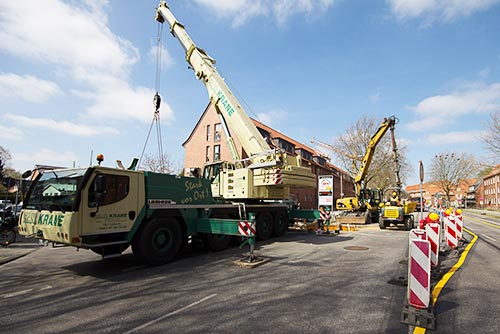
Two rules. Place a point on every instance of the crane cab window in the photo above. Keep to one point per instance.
(108, 189)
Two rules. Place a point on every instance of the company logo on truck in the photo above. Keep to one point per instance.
(50, 219)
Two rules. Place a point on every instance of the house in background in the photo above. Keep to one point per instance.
(491, 184)
(434, 196)
(208, 143)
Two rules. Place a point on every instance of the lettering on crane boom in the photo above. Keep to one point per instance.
(222, 97)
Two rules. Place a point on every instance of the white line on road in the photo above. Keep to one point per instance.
(488, 237)
(170, 314)
(18, 293)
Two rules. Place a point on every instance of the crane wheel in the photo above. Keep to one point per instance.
(158, 241)
(264, 225)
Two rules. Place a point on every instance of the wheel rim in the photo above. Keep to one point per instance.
(264, 226)
(162, 239)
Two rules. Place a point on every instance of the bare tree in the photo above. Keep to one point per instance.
(449, 168)
(381, 172)
(161, 164)
(492, 135)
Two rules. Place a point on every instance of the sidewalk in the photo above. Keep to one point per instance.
(20, 248)
(484, 212)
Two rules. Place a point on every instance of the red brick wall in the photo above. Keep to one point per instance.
(195, 148)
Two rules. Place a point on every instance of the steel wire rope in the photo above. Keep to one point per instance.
(156, 103)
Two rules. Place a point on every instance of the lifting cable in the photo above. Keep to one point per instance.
(156, 103)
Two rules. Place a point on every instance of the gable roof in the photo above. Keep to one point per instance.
(275, 134)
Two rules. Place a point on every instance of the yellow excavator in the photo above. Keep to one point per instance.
(397, 208)
(365, 206)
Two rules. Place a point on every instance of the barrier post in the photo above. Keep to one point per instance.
(459, 222)
(419, 311)
(433, 231)
(450, 231)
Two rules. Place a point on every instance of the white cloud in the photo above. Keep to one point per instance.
(59, 33)
(124, 102)
(272, 117)
(166, 58)
(446, 10)
(61, 126)
(241, 11)
(75, 37)
(45, 156)
(484, 73)
(10, 132)
(27, 87)
(438, 110)
(454, 137)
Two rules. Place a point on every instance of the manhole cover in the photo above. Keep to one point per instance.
(356, 248)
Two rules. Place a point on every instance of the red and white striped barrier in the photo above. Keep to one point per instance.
(419, 273)
(417, 234)
(450, 230)
(459, 224)
(433, 232)
(324, 215)
(246, 228)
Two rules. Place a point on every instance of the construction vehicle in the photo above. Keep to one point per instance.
(108, 209)
(268, 173)
(398, 208)
(364, 207)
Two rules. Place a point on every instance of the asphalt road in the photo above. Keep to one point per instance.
(469, 303)
(313, 284)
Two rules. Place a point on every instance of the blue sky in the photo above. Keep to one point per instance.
(79, 76)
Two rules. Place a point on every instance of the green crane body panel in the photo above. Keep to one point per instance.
(178, 190)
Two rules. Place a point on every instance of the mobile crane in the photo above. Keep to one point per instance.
(267, 173)
(107, 209)
(367, 201)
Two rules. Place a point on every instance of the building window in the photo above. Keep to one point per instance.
(216, 152)
(217, 132)
(207, 153)
(208, 132)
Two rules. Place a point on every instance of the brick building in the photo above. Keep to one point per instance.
(208, 143)
(434, 196)
(491, 184)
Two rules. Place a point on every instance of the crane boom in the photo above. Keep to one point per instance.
(334, 149)
(219, 93)
(268, 173)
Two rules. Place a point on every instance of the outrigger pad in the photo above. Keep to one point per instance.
(251, 261)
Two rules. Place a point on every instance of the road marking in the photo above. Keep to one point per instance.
(170, 314)
(483, 222)
(440, 285)
(488, 237)
(18, 293)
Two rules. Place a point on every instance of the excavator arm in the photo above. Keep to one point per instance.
(357, 203)
(387, 124)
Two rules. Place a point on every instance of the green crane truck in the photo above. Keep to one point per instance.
(106, 210)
